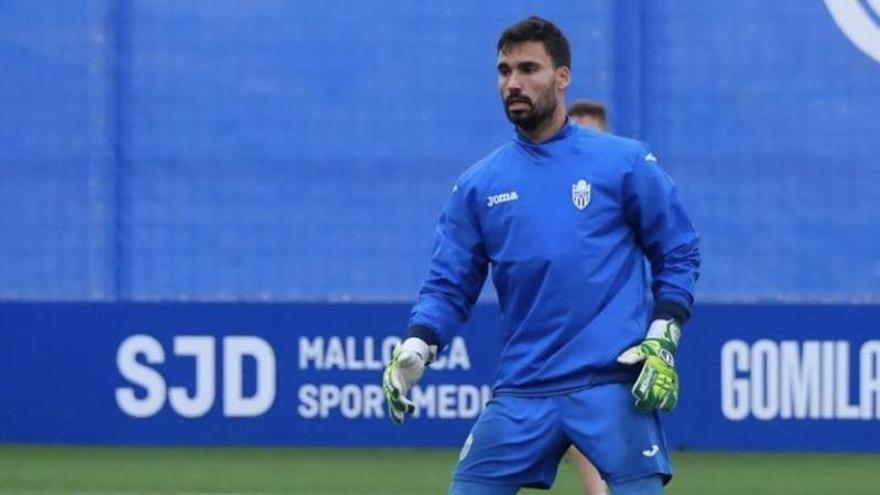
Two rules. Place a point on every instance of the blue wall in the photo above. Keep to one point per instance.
(299, 150)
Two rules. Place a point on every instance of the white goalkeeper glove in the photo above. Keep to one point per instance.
(405, 369)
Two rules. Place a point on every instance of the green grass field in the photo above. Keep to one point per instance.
(45, 470)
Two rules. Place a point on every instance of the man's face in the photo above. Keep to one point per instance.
(530, 87)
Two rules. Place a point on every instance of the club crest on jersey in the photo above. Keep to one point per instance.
(580, 194)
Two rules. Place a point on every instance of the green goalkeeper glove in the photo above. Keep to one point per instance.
(657, 384)
(405, 369)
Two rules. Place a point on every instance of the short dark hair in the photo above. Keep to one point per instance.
(537, 29)
(581, 108)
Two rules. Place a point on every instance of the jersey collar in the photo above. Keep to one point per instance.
(567, 129)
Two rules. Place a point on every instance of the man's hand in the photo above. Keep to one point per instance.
(406, 367)
(657, 384)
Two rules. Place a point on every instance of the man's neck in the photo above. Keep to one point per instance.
(546, 130)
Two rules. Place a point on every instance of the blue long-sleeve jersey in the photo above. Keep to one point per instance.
(566, 226)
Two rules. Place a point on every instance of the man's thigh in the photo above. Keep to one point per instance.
(623, 443)
(652, 485)
(517, 441)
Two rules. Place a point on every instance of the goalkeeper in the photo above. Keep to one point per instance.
(565, 217)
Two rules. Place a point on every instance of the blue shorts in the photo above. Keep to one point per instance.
(518, 441)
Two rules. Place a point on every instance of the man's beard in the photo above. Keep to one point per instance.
(539, 111)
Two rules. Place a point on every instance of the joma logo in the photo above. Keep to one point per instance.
(502, 198)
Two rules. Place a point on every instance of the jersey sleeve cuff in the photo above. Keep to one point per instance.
(668, 310)
(424, 333)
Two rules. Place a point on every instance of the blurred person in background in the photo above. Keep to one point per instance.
(565, 217)
(590, 114)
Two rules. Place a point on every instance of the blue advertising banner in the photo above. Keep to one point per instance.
(779, 377)
(754, 377)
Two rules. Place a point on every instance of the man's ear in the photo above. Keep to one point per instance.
(563, 78)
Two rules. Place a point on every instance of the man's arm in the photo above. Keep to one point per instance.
(671, 244)
(456, 275)
(666, 235)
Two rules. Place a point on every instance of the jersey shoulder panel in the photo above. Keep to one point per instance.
(480, 171)
(630, 150)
